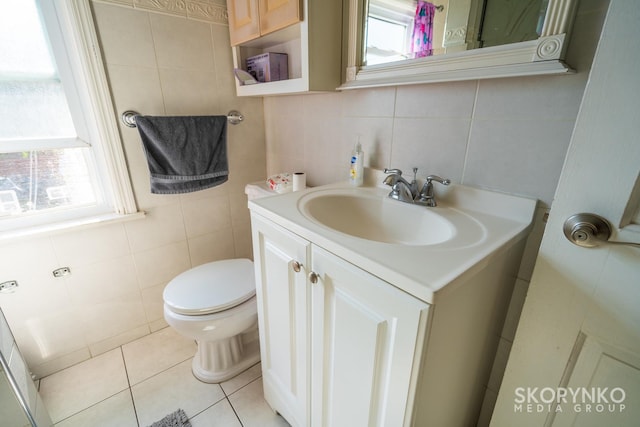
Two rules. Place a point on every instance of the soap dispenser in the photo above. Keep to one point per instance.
(356, 171)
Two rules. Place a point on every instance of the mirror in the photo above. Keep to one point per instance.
(396, 30)
(454, 40)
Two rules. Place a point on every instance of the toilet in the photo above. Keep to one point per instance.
(215, 304)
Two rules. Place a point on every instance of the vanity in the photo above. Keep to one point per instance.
(377, 312)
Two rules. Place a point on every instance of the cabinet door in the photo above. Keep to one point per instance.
(244, 23)
(283, 304)
(366, 340)
(277, 14)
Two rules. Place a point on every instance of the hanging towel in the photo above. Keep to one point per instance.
(184, 154)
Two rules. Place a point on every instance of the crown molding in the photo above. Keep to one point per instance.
(211, 11)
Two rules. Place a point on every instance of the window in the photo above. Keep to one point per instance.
(387, 41)
(389, 27)
(61, 158)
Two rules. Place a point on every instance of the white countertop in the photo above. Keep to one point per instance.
(487, 223)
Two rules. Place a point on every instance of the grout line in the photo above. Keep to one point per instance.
(126, 372)
(393, 128)
(469, 135)
(234, 409)
(210, 406)
(131, 396)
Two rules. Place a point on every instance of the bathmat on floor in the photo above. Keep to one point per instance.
(176, 419)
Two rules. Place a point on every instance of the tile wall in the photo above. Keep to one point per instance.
(157, 64)
(507, 134)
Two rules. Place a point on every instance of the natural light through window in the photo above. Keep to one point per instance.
(387, 41)
(52, 150)
(35, 116)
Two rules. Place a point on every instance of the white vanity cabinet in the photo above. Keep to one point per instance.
(360, 332)
(339, 345)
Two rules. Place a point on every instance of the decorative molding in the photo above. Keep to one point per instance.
(491, 62)
(461, 74)
(516, 59)
(354, 37)
(351, 73)
(559, 17)
(211, 11)
(455, 36)
(76, 20)
(171, 7)
(549, 48)
(204, 10)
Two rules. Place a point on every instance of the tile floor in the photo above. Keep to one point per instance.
(141, 382)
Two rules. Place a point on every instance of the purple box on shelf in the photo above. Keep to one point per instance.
(268, 67)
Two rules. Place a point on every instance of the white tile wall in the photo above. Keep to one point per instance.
(510, 135)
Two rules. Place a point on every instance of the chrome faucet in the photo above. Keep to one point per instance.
(426, 196)
(401, 189)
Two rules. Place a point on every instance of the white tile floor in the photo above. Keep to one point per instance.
(141, 382)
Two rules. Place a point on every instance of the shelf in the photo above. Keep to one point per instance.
(313, 47)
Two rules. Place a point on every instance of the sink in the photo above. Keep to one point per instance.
(417, 248)
(372, 217)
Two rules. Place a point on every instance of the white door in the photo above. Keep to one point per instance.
(576, 356)
(283, 297)
(365, 334)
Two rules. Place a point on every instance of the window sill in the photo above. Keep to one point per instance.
(66, 226)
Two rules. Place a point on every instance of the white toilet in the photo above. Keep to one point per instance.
(215, 304)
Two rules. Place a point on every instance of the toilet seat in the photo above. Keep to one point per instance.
(211, 288)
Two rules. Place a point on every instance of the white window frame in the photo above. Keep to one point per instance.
(402, 14)
(75, 45)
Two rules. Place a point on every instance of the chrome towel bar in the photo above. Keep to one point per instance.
(129, 117)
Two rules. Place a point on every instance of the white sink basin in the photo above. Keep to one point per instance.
(371, 217)
(419, 249)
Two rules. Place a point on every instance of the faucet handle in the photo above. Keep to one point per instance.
(436, 178)
(393, 171)
(426, 196)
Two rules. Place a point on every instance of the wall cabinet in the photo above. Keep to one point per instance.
(309, 32)
(250, 19)
(338, 344)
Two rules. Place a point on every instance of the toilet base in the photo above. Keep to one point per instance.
(219, 361)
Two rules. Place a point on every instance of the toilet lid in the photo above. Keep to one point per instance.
(211, 288)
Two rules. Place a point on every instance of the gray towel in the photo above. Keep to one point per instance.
(184, 154)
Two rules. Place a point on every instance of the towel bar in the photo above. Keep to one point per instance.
(129, 117)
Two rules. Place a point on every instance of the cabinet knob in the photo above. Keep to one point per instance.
(313, 277)
(296, 266)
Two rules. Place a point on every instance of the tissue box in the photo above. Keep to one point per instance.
(280, 183)
(268, 67)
